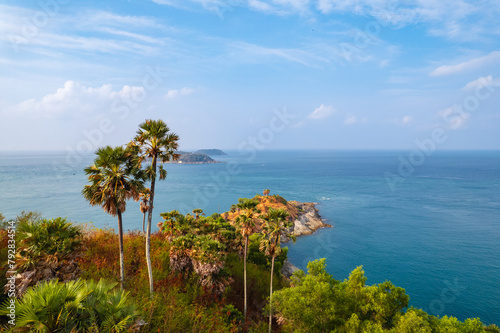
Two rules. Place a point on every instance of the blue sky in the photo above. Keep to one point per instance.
(263, 74)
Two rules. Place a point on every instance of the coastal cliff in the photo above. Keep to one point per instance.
(308, 219)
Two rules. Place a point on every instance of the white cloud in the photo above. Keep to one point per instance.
(75, 100)
(178, 92)
(482, 82)
(406, 119)
(467, 65)
(350, 120)
(261, 6)
(111, 19)
(323, 111)
(353, 120)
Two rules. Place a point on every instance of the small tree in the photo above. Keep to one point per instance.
(266, 192)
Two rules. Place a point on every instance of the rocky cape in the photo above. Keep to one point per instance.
(307, 222)
(308, 219)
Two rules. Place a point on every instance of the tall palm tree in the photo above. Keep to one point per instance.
(275, 228)
(144, 206)
(156, 143)
(246, 224)
(114, 178)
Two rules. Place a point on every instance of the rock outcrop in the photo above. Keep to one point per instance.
(308, 219)
(288, 269)
(64, 271)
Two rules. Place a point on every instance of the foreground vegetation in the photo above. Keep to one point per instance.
(198, 269)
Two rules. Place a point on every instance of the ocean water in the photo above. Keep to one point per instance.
(435, 232)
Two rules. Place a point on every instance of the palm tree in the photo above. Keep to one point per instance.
(275, 228)
(197, 212)
(246, 223)
(114, 178)
(144, 206)
(154, 141)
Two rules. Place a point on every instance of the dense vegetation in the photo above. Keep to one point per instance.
(199, 277)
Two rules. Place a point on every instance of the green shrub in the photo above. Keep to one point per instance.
(73, 306)
(40, 239)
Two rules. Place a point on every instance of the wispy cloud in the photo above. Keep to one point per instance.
(482, 82)
(278, 7)
(217, 6)
(322, 112)
(466, 65)
(406, 119)
(353, 120)
(171, 94)
(78, 32)
(350, 120)
(253, 52)
(451, 19)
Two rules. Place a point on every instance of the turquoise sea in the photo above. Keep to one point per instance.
(435, 232)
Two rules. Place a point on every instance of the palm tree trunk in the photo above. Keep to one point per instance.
(148, 234)
(271, 296)
(120, 242)
(144, 221)
(245, 276)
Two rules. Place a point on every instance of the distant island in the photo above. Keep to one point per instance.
(210, 152)
(198, 157)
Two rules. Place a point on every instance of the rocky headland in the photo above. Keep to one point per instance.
(306, 222)
(305, 216)
(308, 219)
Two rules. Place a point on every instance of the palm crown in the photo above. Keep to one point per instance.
(114, 178)
(246, 221)
(155, 141)
(275, 228)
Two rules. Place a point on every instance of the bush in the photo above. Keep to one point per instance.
(46, 239)
(80, 305)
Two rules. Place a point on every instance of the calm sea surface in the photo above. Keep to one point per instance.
(435, 233)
